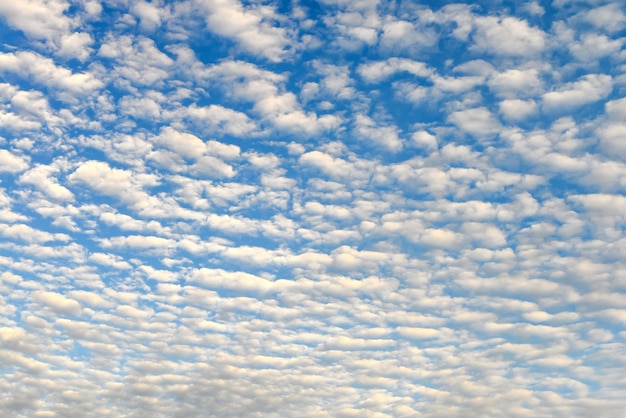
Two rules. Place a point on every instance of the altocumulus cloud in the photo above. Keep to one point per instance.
(226, 208)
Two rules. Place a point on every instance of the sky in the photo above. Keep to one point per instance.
(332, 208)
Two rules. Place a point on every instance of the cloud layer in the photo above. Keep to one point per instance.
(344, 208)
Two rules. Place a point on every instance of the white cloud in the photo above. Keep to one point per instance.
(76, 45)
(415, 333)
(128, 223)
(587, 89)
(216, 117)
(312, 208)
(252, 27)
(484, 234)
(114, 182)
(335, 80)
(149, 15)
(46, 20)
(362, 5)
(247, 82)
(58, 303)
(512, 83)
(212, 167)
(457, 84)
(477, 121)
(185, 144)
(382, 136)
(356, 25)
(602, 204)
(508, 36)
(140, 108)
(334, 167)
(441, 238)
(29, 234)
(616, 109)
(534, 8)
(515, 109)
(399, 35)
(284, 113)
(139, 241)
(350, 343)
(139, 61)
(378, 71)
(38, 18)
(42, 178)
(593, 46)
(33, 105)
(108, 260)
(609, 17)
(475, 67)
(44, 71)
(425, 139)
(12, 163)
(99, 175)
(221, 279)
(612, 139)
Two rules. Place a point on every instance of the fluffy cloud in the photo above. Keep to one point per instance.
(383, 136)
(508, 36)
(609, 17)
(252, 27)
(515, 109)
(45, 72)
(48, 20)
(515, 82)
(109, 181)
(593, 46)
(42, 178)
(12, 163)
(478, 121)
(378, 71)
(587, 89)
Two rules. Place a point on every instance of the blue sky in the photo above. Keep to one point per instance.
(322, 209)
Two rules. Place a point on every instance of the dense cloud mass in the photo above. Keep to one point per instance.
(333, 208)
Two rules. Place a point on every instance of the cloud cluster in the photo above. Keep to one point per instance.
(347, 208)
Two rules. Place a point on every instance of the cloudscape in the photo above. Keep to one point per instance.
(331, 208)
